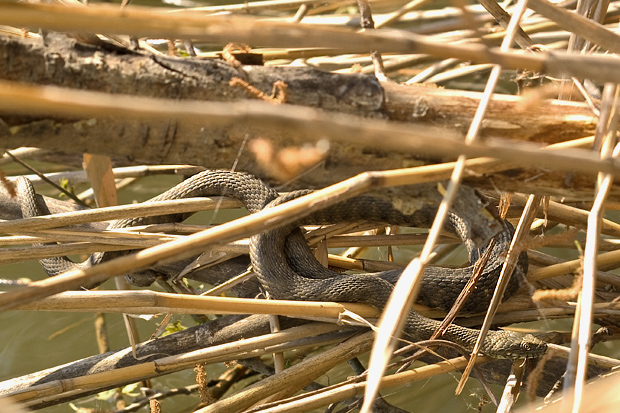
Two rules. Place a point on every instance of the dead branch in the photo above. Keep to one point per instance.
(63, 62)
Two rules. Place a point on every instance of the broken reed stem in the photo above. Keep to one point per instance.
(568, 267)
(593, 359)
(512, 387)
(570, 216)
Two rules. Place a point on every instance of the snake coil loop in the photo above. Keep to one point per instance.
(287, 269)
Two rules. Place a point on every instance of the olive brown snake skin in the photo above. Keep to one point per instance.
(287, 270)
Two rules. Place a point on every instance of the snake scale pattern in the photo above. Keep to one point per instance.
(287, 269)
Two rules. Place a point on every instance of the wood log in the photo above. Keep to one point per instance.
(64, 62)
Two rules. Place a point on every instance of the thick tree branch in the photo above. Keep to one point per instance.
(64, 63)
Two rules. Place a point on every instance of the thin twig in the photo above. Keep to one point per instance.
(44, 178)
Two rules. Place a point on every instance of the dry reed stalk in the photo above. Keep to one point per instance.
(343, 391)
(571, 216)
(582, 26)
(145, 209)
(76, 177)
(339, 241)
(257, 6)
(145, 22)
(604, 259)
(128, 235)
(503, 18)
(14, 255)
(78, 242)
(544, 261)
(361, 264)
(394, 16)
(296, 376)
(450, 75)
(151, 302)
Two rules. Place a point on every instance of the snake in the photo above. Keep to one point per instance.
(286, 268)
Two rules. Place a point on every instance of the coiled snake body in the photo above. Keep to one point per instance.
(287, 270)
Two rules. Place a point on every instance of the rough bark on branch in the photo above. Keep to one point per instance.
(63, 62)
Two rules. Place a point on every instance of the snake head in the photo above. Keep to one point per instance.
(513, 345)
